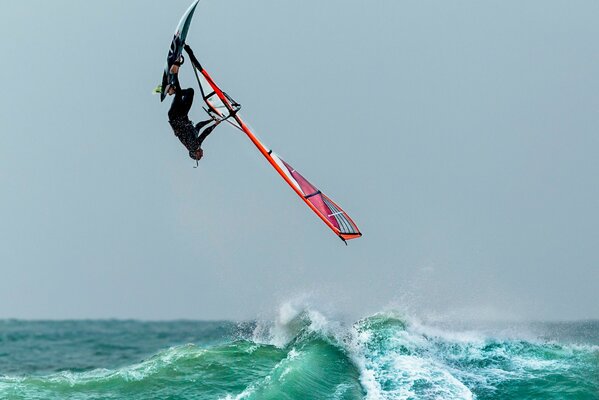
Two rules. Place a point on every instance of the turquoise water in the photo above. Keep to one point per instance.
(300, 355)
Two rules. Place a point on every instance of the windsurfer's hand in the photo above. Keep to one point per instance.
(179, 61)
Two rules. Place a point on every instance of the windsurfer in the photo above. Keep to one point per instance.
(189, 134)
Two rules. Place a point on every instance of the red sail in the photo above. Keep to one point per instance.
(331, 214)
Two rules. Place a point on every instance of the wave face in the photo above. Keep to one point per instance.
(299, 355)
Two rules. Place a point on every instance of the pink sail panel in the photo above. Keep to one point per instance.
(326, 207)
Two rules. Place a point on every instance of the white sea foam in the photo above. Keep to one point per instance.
(292, 319)
(397, 363)
(385, 373)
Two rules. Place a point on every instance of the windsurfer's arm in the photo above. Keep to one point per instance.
(192, 57)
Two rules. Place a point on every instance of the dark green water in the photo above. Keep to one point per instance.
(304, 357)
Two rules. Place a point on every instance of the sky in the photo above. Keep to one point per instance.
(461, 136)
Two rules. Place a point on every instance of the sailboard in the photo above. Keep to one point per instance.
(177, 46)
(221, 106)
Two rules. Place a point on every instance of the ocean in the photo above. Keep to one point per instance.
(299, 355)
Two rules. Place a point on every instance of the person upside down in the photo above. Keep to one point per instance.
(192, 136)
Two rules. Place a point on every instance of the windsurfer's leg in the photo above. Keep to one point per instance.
(187, 95)
(181, 104)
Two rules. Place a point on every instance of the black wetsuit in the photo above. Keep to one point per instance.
(183, 128)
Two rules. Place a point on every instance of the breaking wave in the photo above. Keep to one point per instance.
(302, 354)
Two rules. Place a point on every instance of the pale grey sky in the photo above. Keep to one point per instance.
(461, 136)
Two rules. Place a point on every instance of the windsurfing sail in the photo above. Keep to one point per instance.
(222, 107)
(329, 212)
